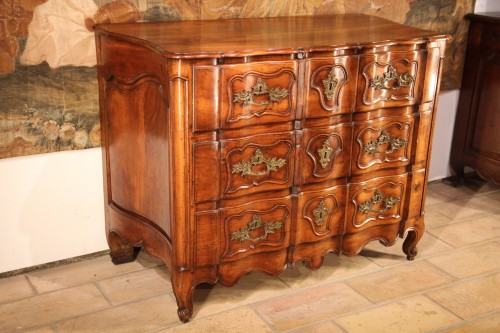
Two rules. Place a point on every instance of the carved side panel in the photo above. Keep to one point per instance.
(137, 133)
(326, 153)
(376, 203)
(255, 227)
(257, 163)
(382, 144)
(258, 93)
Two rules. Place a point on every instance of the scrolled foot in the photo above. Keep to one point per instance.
(411, 255)
(184, 314)
(410, 243)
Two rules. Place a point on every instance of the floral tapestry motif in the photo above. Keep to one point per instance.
(48, 79)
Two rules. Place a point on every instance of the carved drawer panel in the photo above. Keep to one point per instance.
(331, 86)
(325, 153)
(320, 214)
(256, 227)
(389, 79)
(376, 202)
(382, 143)
(257, 163)
(258, 93)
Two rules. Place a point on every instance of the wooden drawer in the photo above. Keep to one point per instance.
(389, 80)
(257, 163)
(260, 226)
(325, 153)
(382, 143)
(320, 214)
(331, 86)
(376, 202)
(258, 93)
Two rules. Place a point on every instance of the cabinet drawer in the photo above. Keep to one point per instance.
(320, 214)
(375, 203)
(389, 79)
(330, 86)
(257, 163)
(258, 93)
(325, 153)
(382, 143)
(256, 227)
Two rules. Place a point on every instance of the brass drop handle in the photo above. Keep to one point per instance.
(244, 233)
(388, 202)
(391, 74)
(246, 97)
(384, 138)
(258, 158)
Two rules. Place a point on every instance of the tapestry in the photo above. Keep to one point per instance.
(48, 80)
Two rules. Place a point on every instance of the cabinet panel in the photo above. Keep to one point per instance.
(255, 227)
(331, 86)
(257, 163)
(258, 93)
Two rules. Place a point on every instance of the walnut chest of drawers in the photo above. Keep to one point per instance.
(240, 145)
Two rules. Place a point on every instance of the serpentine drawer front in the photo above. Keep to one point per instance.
(228, 149)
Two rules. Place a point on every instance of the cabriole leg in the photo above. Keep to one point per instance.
(413, 237)
(183, 286)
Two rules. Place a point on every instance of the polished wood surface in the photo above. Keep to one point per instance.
(242, 145)
(476, 138)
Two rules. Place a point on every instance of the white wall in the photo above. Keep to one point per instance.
(51, 205)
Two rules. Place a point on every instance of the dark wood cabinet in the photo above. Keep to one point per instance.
(240, 145)
(476, 138)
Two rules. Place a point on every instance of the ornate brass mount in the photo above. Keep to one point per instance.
(325, 153)
(260, 88)
(384, 138)
(389, 202)
(402, 80)
(330, 84)
(320, 213)
(272, 164)
(256, 223)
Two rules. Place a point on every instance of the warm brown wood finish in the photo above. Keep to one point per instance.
(241, 145)
(476, 139)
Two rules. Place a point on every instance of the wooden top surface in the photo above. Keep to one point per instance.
(257, 36)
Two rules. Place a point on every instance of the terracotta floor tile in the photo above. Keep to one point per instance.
(468, 232)
(393, 255)
(488, 324)
(50, 307)
(136, 285)
(334, 268)
(399, 281)
(13, 288)
(139, 317)
(467, 208)
(434, 218)
(250, 288)
(241, 320)
(78, 273)
(311, 305)
(41, 330)
(470, 262)
(415, 314)
(469, 299)
(322, 327)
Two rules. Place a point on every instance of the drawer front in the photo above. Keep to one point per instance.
(257, 163)
(382, 143)
(258, 93)
(256, 227)
(331, 86)
(320, 214)
(325, 153)
(389, 80)
(376, 203)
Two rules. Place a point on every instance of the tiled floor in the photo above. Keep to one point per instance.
(452, 286)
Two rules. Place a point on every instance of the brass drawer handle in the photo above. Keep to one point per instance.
(389, 202)
(245, 168)
(260, 88)
(402, 80)
(330, 84)
(325, 154)
(384, 138)
(320, 213)
(256, 223)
